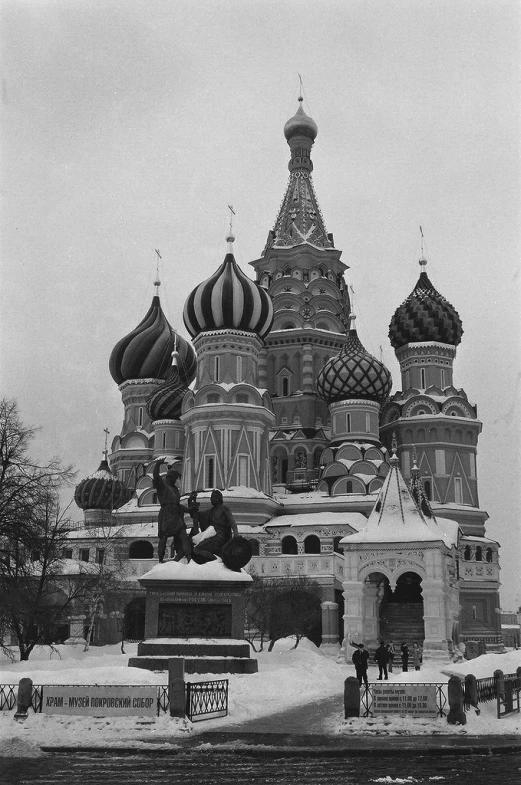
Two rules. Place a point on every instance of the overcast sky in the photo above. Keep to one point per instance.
(128, 126)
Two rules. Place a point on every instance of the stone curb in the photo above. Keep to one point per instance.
(287, 746)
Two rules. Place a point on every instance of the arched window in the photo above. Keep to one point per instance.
(242, 398)
(312, 544)
(141, 549)
(289, 546)
(288, 326)
(254, 547)
(213, 398)
(479, 553)
(216, 369)
(336, 545)
(349, 487)
(466, 553)
(489, 555)
(285, 386)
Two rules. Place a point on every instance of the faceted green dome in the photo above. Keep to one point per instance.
(424, 316)
(354, 373)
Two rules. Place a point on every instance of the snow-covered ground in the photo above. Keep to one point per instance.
(287, 678)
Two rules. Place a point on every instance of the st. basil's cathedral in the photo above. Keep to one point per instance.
(329, 474)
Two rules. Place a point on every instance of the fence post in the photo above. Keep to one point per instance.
(456, 715)
(176, 686)
(499, 682)
(351, 697)
(23, 698)
(471, 692)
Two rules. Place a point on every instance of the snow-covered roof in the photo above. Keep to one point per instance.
(313, 519)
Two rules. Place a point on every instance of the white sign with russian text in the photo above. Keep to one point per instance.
(98, 701)
(414, 700)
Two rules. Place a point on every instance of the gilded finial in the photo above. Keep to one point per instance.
(105, 451)
(423, 261)
(394, 448)
(230, 237)
(157, 282)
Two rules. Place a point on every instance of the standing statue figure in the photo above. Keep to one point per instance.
(171, 521)
(220, 517)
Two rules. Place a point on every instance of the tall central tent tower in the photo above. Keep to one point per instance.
(301, 270)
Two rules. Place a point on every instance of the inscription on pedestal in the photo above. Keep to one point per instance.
(190, 620)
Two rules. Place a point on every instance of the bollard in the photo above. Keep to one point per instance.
(471, 692)
(456, 715)
(176, 686)
(23, 698)
(351, 697)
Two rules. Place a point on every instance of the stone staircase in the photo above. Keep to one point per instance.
(402, 621)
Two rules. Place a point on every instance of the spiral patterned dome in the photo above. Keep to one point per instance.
(300, 125)
(101, 490)
(166, 402)
(228, 300)
(425, 315)
(354, 373)
(146, 352)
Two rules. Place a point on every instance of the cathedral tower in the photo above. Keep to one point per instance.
(435, 422)
(228, 415)
(302, 271)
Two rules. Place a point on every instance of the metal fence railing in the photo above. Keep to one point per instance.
(204, 699)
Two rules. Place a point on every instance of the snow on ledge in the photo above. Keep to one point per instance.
(211, 571)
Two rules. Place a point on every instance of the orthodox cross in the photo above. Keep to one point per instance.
(232, 213)
(106, 432)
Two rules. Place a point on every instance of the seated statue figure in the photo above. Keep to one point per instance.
(218, 516)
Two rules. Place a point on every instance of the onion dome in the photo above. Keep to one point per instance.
(424, 316)
(228, 300)
(300, 124)
(166, 402)
(354, 373)
(146, 352)
(101, 490)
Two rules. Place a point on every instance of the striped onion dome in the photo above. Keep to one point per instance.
(354, 373)
(300, 124)
(101, 490)
(425, 315)
(146, 352)
(228, 300)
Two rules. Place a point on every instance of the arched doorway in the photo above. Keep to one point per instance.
(401, 611)
(134, 620)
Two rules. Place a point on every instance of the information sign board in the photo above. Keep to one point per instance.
(413, 700)
(100, 701)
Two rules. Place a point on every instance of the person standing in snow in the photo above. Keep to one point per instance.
(391, 653)
(416, 656)
(360, 661)
(381, 656)
(405, 657)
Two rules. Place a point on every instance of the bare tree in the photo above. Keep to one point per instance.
(33, 531)
(279, 607)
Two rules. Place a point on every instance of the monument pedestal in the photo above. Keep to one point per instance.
(195, 611)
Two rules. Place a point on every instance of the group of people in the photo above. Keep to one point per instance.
(194, 545)
(384, 657)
